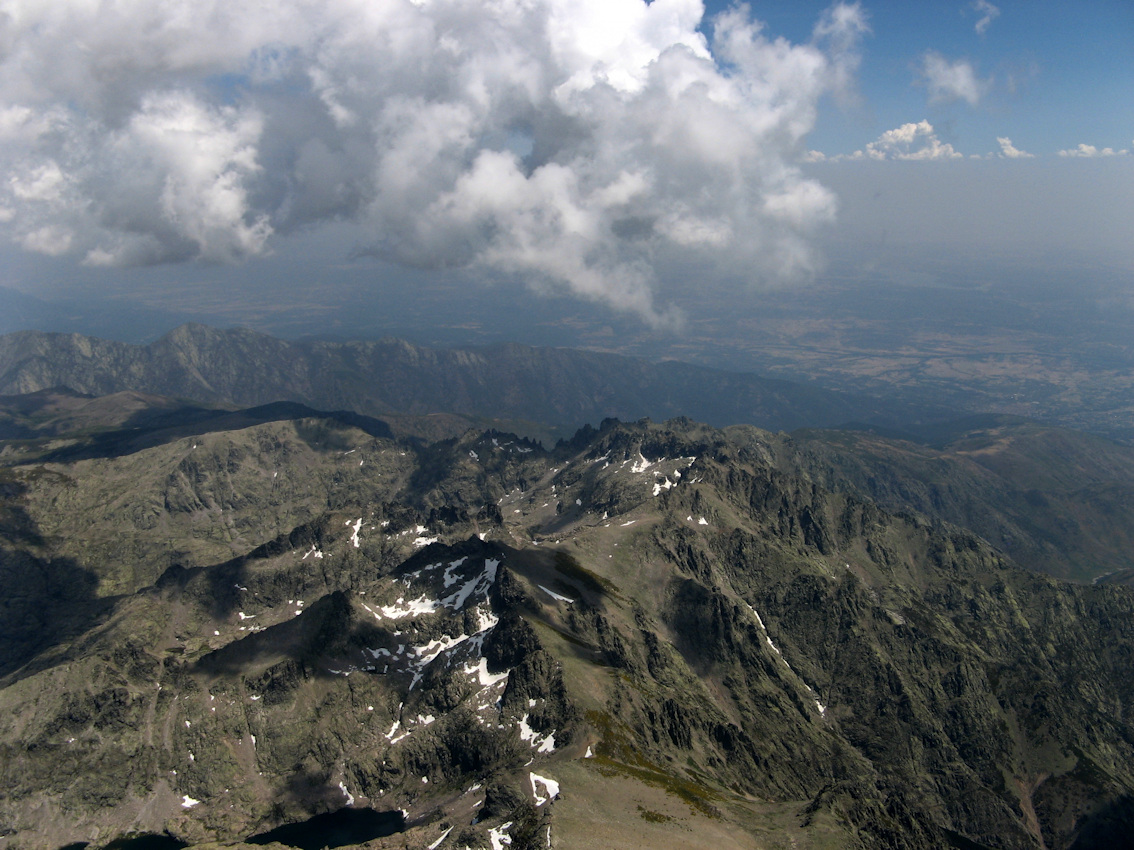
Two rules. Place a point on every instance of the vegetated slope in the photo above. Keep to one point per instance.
(649, 635)
(556, 390)
(1058, 501)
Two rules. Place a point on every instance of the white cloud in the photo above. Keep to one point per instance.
(563, 141)
(949, 81)
(913, 141)
(839, 30)
(987, 12)
(1086, 151)
(1010, 151)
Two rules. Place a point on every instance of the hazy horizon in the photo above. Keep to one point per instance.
(882, 196)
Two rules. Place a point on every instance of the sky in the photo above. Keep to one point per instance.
(1048, 77)
(584, 148)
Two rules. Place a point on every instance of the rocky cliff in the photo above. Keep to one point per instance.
(657, 635)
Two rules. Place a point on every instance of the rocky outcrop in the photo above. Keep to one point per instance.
(482, 639)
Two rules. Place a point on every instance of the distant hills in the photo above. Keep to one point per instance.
(1058, 501)
(541, 392)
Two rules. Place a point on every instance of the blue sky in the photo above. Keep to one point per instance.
(1056, 74)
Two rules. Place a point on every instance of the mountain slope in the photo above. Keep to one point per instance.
(653, 633)
(546, 388)
(1058, 501)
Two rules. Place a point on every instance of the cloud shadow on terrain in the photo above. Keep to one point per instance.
(335, 829)
(46, 600)
(324, 629)
(147, 429)
(1112, 826)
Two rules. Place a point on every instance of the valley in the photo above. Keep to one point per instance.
(905, 331)
(220, 622)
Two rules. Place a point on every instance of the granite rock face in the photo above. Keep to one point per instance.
(665, 631)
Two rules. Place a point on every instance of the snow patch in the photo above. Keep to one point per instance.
(413, 608)
(499, 836)
(188, 802)
(551, 788)
(556, 596)
(485, 619)
(430, 651)
(347, 794)
(477, 583)
(354, 532)
(542, 745)
(437, 843)
(764, 629)
(641, 464)
(486, 679)
(394, 729)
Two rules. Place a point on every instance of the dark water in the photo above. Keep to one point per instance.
(334, 829)
(146, 842)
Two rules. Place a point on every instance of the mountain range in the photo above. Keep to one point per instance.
(229, 625)
(547, 392)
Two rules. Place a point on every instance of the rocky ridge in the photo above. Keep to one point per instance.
(540, 391)
(1058, 501)
(657, 634)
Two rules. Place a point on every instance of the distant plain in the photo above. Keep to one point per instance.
(1041, 336)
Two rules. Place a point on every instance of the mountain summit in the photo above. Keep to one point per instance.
(651, 634)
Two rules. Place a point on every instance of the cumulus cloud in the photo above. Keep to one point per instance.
(950, 81)
(1010, 151)
(913, 141)
(568, 142)
(1086, 151)
(987, 12)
